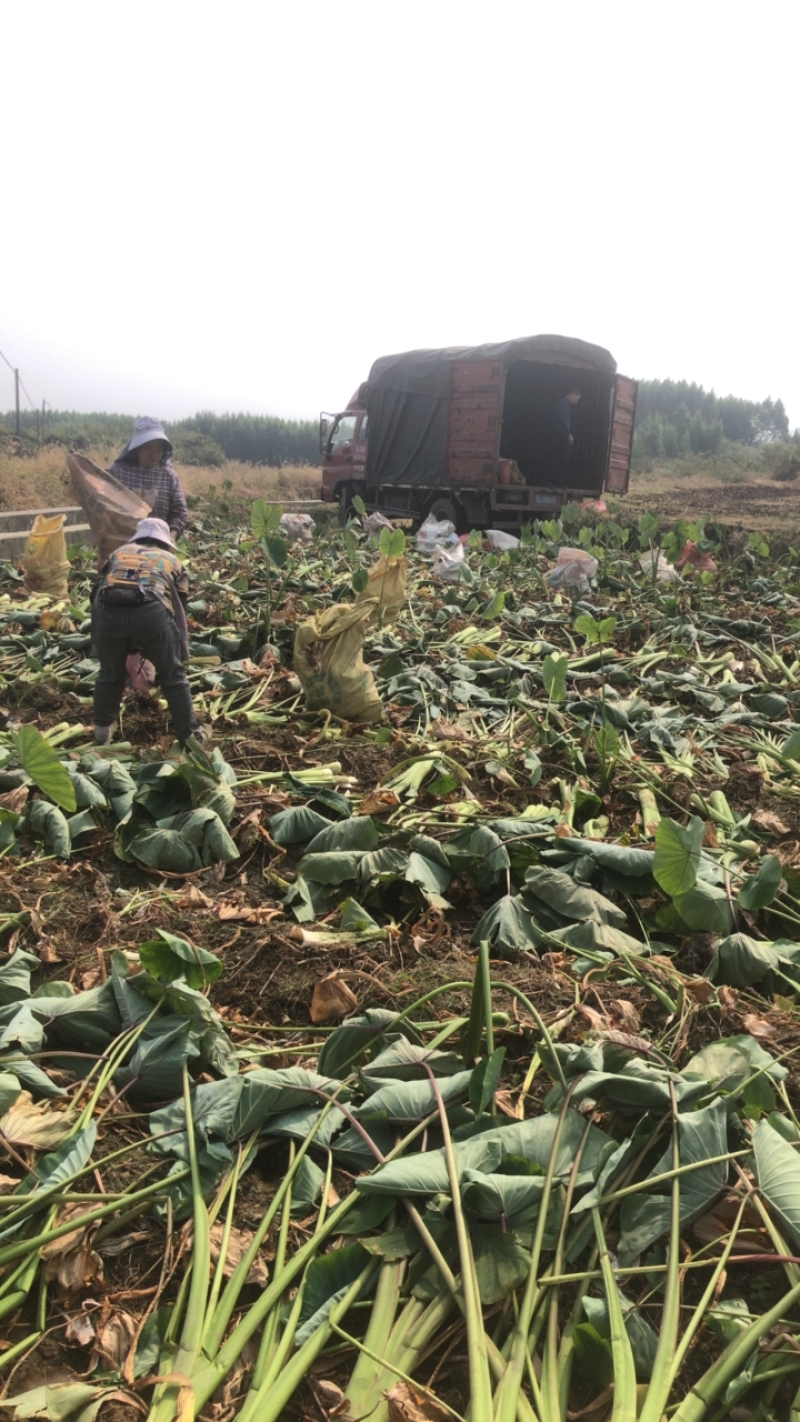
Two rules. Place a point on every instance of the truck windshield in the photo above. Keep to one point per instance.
(343, 432)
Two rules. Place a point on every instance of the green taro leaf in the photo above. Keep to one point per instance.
(15, 976)
(48, 821)
(677, 855)
(358, 832)
(778, 1175)
(760, 889)
(408, 1101)
(40, 761)
(741, 961)
(392, 542)
(370, 1031)
(335, 867)
(570, 899)
(509, 928)
(327, 1280)
(264, 518)
(296, 824)
(359, 580)
(168, 957)
(554, 675)
(705, 908)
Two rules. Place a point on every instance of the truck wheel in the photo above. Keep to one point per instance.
(442, 508)
(346, 509)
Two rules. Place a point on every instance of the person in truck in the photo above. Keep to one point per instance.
(560, 437)
(143, 467)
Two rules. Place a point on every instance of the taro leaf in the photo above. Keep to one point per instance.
(431, 849)
(509, 928)
(168, 957)
(154, 1071)
(306, 900)
(306, 1186)
(554, 675)
(428, 874)
(20, 1030)
(85, 822)
(677, 855)
(425, 1173)
(9, 1090)
(87, 1021)
(643, 1340)
(40, 761)
(490, 1196)
(353, 1153)
(701, 1136)
(778, 1175)
(739, 1068)
(9, 820)
(296, 1125)
(639, 1086)
(560, 892)
(68, 1159)
(296, 824)
(359, 1035)
(266, 1093)
(760, 889)
(485, 1080)
(489, 849)
(213, 1160)
(381, 866)
(367, 1213)
(408, 1101)
(134, 1007)
(705, 908)
(326, 1281)
(165, 849)
(335, 867)
(357, 833)
(180, 843)
(592, 936)
(264, 518)
(56, 1401)
(593, 1355)
(402, 1060)
(51, 824)
(741, 961)
(214, 1112)
(355, 919)
(15, 976)
(87, 791)
(501, 1263)
(617, 858)
(216, 1051)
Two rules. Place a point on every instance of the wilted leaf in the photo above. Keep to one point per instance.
(332, 999)
(411, 1404)
(37, 1127)
(238, 1245)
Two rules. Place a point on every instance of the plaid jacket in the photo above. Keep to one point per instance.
(159, 487)
(154, 571)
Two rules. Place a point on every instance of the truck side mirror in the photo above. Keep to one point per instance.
(323, 433)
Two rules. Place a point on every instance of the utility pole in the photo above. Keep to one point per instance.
(16, 392)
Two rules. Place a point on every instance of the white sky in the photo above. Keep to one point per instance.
(240, 206)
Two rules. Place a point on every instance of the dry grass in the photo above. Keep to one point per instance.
(41, 481)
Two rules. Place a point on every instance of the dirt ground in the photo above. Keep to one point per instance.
(760, 507)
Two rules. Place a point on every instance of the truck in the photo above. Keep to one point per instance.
(465, 433)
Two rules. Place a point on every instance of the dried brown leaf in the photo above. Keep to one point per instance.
(37, 1126)
(728, 998)
(629, 1019)
(757, 1026)
(238, 1245)
(115, 1338)
(378, 802)
(80, 1330)
(700, 990)
(770, 822)
(14, 799)
(597, 1020)
(332, 999)
(410, 1404)
(505, 1101)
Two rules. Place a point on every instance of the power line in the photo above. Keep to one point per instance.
(30, 402)
(7, 361)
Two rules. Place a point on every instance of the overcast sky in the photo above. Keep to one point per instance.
(240, 206)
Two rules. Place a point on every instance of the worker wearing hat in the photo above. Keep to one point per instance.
(143, 466)
(139, 603)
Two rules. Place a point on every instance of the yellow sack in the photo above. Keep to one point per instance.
(387, 582)
(45, 558)
(328, 661)
(112, 511)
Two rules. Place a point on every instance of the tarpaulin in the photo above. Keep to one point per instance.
(407, 398)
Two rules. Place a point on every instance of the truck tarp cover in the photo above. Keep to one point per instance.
(408, 401)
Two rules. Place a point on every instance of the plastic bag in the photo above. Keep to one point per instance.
(386, 582)
(297, 528)
(140, 675)
(45, 558)
(654, 559)
(574, 569)
(112, 511)
(448, 563)
(692, 555)
(435, 534)
(500, 541)
(329, 664)
(374, 524)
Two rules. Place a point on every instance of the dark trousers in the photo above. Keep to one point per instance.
(147, 628)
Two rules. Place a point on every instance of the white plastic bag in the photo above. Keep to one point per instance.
(448, 563)
(574, 569)
(664, 571)
(501, 541)
(373, 525)
(297, 528)
(435, 534)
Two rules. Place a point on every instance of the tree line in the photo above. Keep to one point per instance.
(675, 418)
(203, 439)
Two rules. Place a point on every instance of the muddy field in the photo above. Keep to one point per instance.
(760, 507)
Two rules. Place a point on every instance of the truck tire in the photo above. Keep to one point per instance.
(346, 510)
(443, 507)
